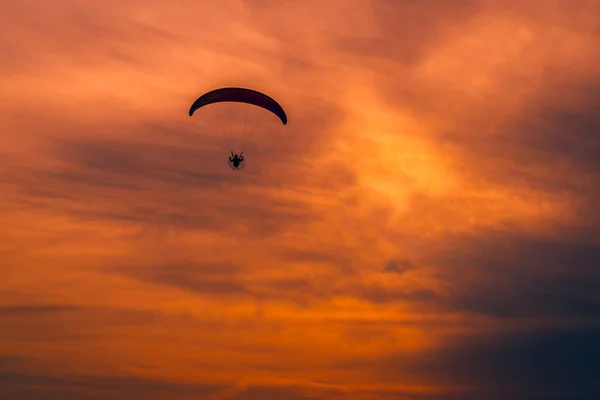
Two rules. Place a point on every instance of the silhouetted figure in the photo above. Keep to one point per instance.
(236, 161)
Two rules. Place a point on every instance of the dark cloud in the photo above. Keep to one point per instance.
(270, 393)
(422, 299)
(224, 281)
(524, 364)
(517, 276)
(37, 386)
(133, 182)
(37, 309)
(552, 145)
(210, 278)
(137, 163)
(398, 266)
(338, 260)
(28, 324)
(502, 274)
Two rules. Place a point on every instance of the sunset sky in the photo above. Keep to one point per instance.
(426, 227)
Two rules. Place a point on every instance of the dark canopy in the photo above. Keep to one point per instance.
(240, 95)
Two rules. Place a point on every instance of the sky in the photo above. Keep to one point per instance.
(425, 226)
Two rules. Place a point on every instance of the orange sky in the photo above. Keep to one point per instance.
(439, 167)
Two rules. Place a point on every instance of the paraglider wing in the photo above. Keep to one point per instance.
(240, 95)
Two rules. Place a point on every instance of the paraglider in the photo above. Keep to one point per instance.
(244, 96)
(236, 161)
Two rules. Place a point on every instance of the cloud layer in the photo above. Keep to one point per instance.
(424, 228)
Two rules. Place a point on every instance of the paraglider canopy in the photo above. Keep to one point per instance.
(242, 102)
(240, 95)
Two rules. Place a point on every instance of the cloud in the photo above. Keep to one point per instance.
(211, 279)
(519, 364)
(36, 309)
(95, 387)
(424, 227)
(513, 275)
(397, 266)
